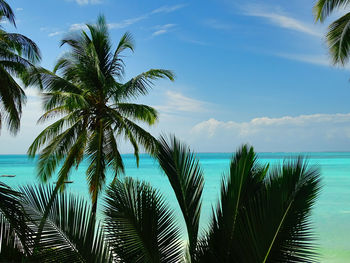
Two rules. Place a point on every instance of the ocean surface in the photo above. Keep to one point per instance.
(331, 215)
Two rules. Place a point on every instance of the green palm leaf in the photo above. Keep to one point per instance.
(186, 178)
(70, 232)
(17, 55)
(15, 234)
(139, 225)
(244, 180)
(276, 224)
(338, 38)
(6, 11)
(263, 218)
(323, 8)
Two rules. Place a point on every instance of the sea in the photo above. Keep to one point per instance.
(330, 216)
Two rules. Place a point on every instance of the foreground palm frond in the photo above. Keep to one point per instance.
(186, 178)
(70, 232)
(14, 232)
(279, 225)
(263, 217)
(237, 188)
(140, 226)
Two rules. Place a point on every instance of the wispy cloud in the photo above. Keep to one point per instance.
(177, 102)
(56, 33)
(127, 22)
(19, 9)
(134, 20)
(319, 59)
(216, 24)
(315, 59)
(130, 21)
(167, 9)
(86, 2)
(279, 18)
(160, 30)
(77, 26)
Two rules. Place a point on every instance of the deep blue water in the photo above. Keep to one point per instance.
(331, 214)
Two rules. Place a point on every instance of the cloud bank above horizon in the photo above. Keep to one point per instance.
(314, 132)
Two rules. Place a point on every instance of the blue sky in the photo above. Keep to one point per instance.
(253, 72)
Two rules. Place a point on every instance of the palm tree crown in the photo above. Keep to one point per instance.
(94, 107)
(338, 35)
(17, 54)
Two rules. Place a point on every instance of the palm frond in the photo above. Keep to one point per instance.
(141, 84)
(244, 180)
(275, 225)
(11, 99)
(338, 38)
(23, 45)
(186, 178)
(138, 112)
(323, 8)
(14, 232)
(140, 226)
(70, 232)
(6, 11)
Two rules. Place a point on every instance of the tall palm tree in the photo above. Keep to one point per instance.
(263, 215)
(17, 55)
(338, 35)
(95, 108)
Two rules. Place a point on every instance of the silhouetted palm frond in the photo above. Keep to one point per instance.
(140, 226)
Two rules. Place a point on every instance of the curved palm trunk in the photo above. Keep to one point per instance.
(96, 171)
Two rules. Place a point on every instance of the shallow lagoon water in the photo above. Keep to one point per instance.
(331, 215)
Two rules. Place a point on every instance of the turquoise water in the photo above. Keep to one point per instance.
(331, 214)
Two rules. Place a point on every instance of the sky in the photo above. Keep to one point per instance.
(254, 72)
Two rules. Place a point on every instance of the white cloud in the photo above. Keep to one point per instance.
(57, 33)
(316, 132)
(176, 102)
(280, 19)
(19, 9)
(320, 59)
(163, 29)
(167, 9)
(77, 26)
(131, 21)
(317, 59)
(86, 2)
(127, 22)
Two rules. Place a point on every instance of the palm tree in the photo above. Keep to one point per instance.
(17, 55)
(263, 215)
(338, 35)
(95, 108)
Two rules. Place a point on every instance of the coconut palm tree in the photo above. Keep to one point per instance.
(263, 215)
(17, 55)
(338, 35)
(95, 108)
